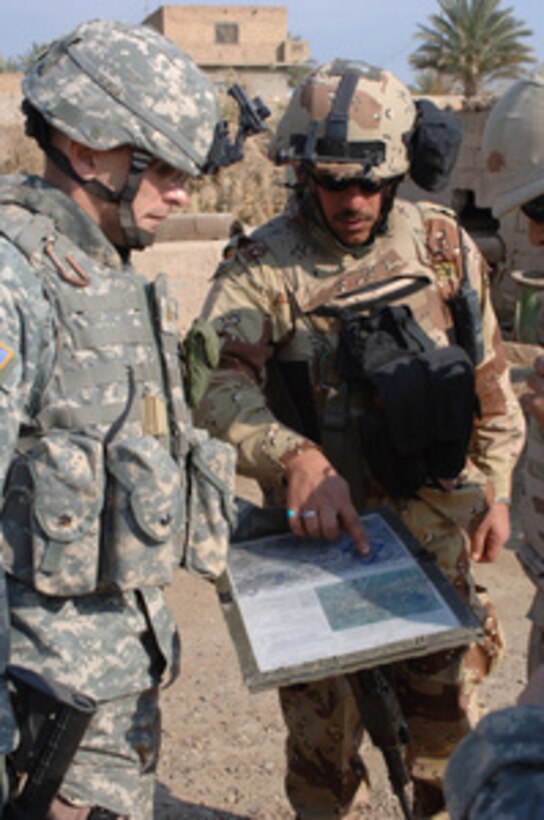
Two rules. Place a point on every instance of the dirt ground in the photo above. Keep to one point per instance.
(222, 756)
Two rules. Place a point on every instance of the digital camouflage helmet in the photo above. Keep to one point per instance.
(109, 84)
(513, 144)
(353, 117)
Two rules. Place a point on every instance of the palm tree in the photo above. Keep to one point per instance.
(473, 42)
(431, 82)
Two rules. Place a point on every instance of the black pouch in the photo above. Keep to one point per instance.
(419, 400)
(434, 146)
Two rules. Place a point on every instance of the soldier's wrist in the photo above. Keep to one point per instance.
(290, 456)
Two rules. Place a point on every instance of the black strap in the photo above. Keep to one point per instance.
(336, 128)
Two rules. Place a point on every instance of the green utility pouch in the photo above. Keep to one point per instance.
(144, 516)
(210, 502)
(51, 517)
(200, 357)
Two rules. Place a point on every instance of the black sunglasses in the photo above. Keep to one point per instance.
(534, 210)
(334, 184)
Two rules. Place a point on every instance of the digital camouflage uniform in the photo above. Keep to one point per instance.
(7, 723)
(497, 772)
(262, 304)
(107, 487)
(513, 151)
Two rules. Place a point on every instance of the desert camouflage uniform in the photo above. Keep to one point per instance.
(497, 772)
(94, 503)
(261, 304)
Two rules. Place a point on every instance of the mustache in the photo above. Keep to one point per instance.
(350, 213)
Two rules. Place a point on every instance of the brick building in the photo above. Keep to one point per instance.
(250, 41)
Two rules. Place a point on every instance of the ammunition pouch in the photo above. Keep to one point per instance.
(211, 515)
(419, 400)
(80, 516)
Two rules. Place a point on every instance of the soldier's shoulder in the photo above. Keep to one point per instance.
(257, 249)
(435, 211)
(18, 277)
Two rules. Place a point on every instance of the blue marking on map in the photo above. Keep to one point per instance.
(363, 601)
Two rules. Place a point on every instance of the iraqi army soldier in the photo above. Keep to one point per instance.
(286, 305)
(96, 435)
(513, 146)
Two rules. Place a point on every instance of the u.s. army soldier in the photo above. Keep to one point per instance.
(99, 463)
(293, 306)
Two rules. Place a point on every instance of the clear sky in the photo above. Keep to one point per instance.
(378, 31)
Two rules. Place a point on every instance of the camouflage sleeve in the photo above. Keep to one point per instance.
(500, 429)
(251, 313)
(24, 345)
(497, 771)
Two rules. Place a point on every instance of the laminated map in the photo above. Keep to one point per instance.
(300, 609)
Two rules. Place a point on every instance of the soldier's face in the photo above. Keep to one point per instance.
(535, 232)
(534, 211)
(161, 189)
(351, 213)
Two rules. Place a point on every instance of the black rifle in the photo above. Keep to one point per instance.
(52, 720)
(384, 722)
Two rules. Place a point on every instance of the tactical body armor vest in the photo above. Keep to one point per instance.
(409, 429)
(111, 487)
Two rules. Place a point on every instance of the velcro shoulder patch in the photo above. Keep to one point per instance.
(8, 358)
(6, 355)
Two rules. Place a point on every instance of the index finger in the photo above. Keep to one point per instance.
(354, 526)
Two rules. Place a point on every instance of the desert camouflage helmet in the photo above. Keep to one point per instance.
(109, 84)
(513, 144)
(351, 116)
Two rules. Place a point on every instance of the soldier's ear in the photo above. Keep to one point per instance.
(82, 159)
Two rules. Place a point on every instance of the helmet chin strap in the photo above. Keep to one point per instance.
(134, 238)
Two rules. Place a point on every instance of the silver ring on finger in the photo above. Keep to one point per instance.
(309, 514)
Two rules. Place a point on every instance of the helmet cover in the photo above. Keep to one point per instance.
(350, 116)
(513, 144)
(109, 84)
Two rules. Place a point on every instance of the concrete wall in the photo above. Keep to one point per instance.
(10, 98)
(261, 34)
(188, 249)
(272, 84)
(189, 266)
